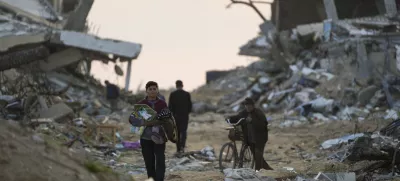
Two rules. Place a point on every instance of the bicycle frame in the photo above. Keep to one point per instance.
(239, 156)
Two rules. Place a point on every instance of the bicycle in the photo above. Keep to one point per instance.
(245, 158)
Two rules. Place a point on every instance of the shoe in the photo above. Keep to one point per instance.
(178, 154)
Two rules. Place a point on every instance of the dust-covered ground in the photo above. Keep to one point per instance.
(297, 148)
(26, 156)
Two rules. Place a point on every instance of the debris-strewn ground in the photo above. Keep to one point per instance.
(298, 148)
(26, 156)
(330, 91)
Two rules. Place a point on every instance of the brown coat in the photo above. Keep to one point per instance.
(255, 130)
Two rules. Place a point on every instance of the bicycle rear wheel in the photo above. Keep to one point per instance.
(246, 157)
(227, 156)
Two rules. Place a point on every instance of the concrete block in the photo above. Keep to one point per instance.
(61, 59)
(56, 111)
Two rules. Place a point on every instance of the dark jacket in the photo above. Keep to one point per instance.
(180, 103)
(112, 91)
(255, 130)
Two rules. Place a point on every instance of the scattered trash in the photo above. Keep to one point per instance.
(345, 139)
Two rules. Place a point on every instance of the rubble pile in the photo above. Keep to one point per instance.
(334, 70)
(376, 151)
(46, 87)
(26, 155)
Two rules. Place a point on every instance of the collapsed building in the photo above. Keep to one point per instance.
(324, 61)
(331, 61)
(46, 48)
(56, 31)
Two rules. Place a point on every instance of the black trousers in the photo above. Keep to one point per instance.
(182, 126)
(257, 150)
(154, 159)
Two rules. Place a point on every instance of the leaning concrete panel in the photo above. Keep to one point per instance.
(61, 59)
(364, 70)
(122, 49)
(77, 19)
(330, 8)
(391, 8)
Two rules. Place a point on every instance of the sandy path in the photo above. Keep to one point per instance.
(282, 149)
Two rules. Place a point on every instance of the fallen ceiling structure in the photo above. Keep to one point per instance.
(29, 24)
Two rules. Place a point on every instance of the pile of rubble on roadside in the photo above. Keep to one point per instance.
(373, 155)
(335, 70)
(46, 86)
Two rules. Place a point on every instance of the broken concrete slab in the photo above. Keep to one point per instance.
(345, 139)
(123, 49)
(56, 112)
(61, 59)
(379, 62)
(303, 30)
(246, 174)
(77, 19)
(391, 8)
(365, 95)
(330, 8)
(336, 176)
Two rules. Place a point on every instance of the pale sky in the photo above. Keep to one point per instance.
(181, 39)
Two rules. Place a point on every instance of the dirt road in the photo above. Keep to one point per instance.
(297, 148)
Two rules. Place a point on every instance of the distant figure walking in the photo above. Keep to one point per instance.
(112, 94)
(180, 104)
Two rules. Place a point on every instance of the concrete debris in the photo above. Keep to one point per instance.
(44, 27)
(202, 107)
(244, 174)
(345, 139)
(56, 111)
(121, 49)
(379, 147)
(187, 164)
(45, 59)
(319, 71)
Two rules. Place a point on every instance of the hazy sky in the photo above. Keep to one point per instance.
(181, 39)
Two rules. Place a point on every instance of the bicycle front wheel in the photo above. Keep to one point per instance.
(227, 156)
(246, 157)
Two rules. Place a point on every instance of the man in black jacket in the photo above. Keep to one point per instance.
(112, 93)
(180, 104)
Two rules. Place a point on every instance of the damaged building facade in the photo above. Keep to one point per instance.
(55, 29)
(332, 67)
(328, 62)
(45, 44)
(289, 14)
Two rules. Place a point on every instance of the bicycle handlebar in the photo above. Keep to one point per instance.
(234, 124)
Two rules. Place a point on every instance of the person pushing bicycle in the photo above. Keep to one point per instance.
(255, 132)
